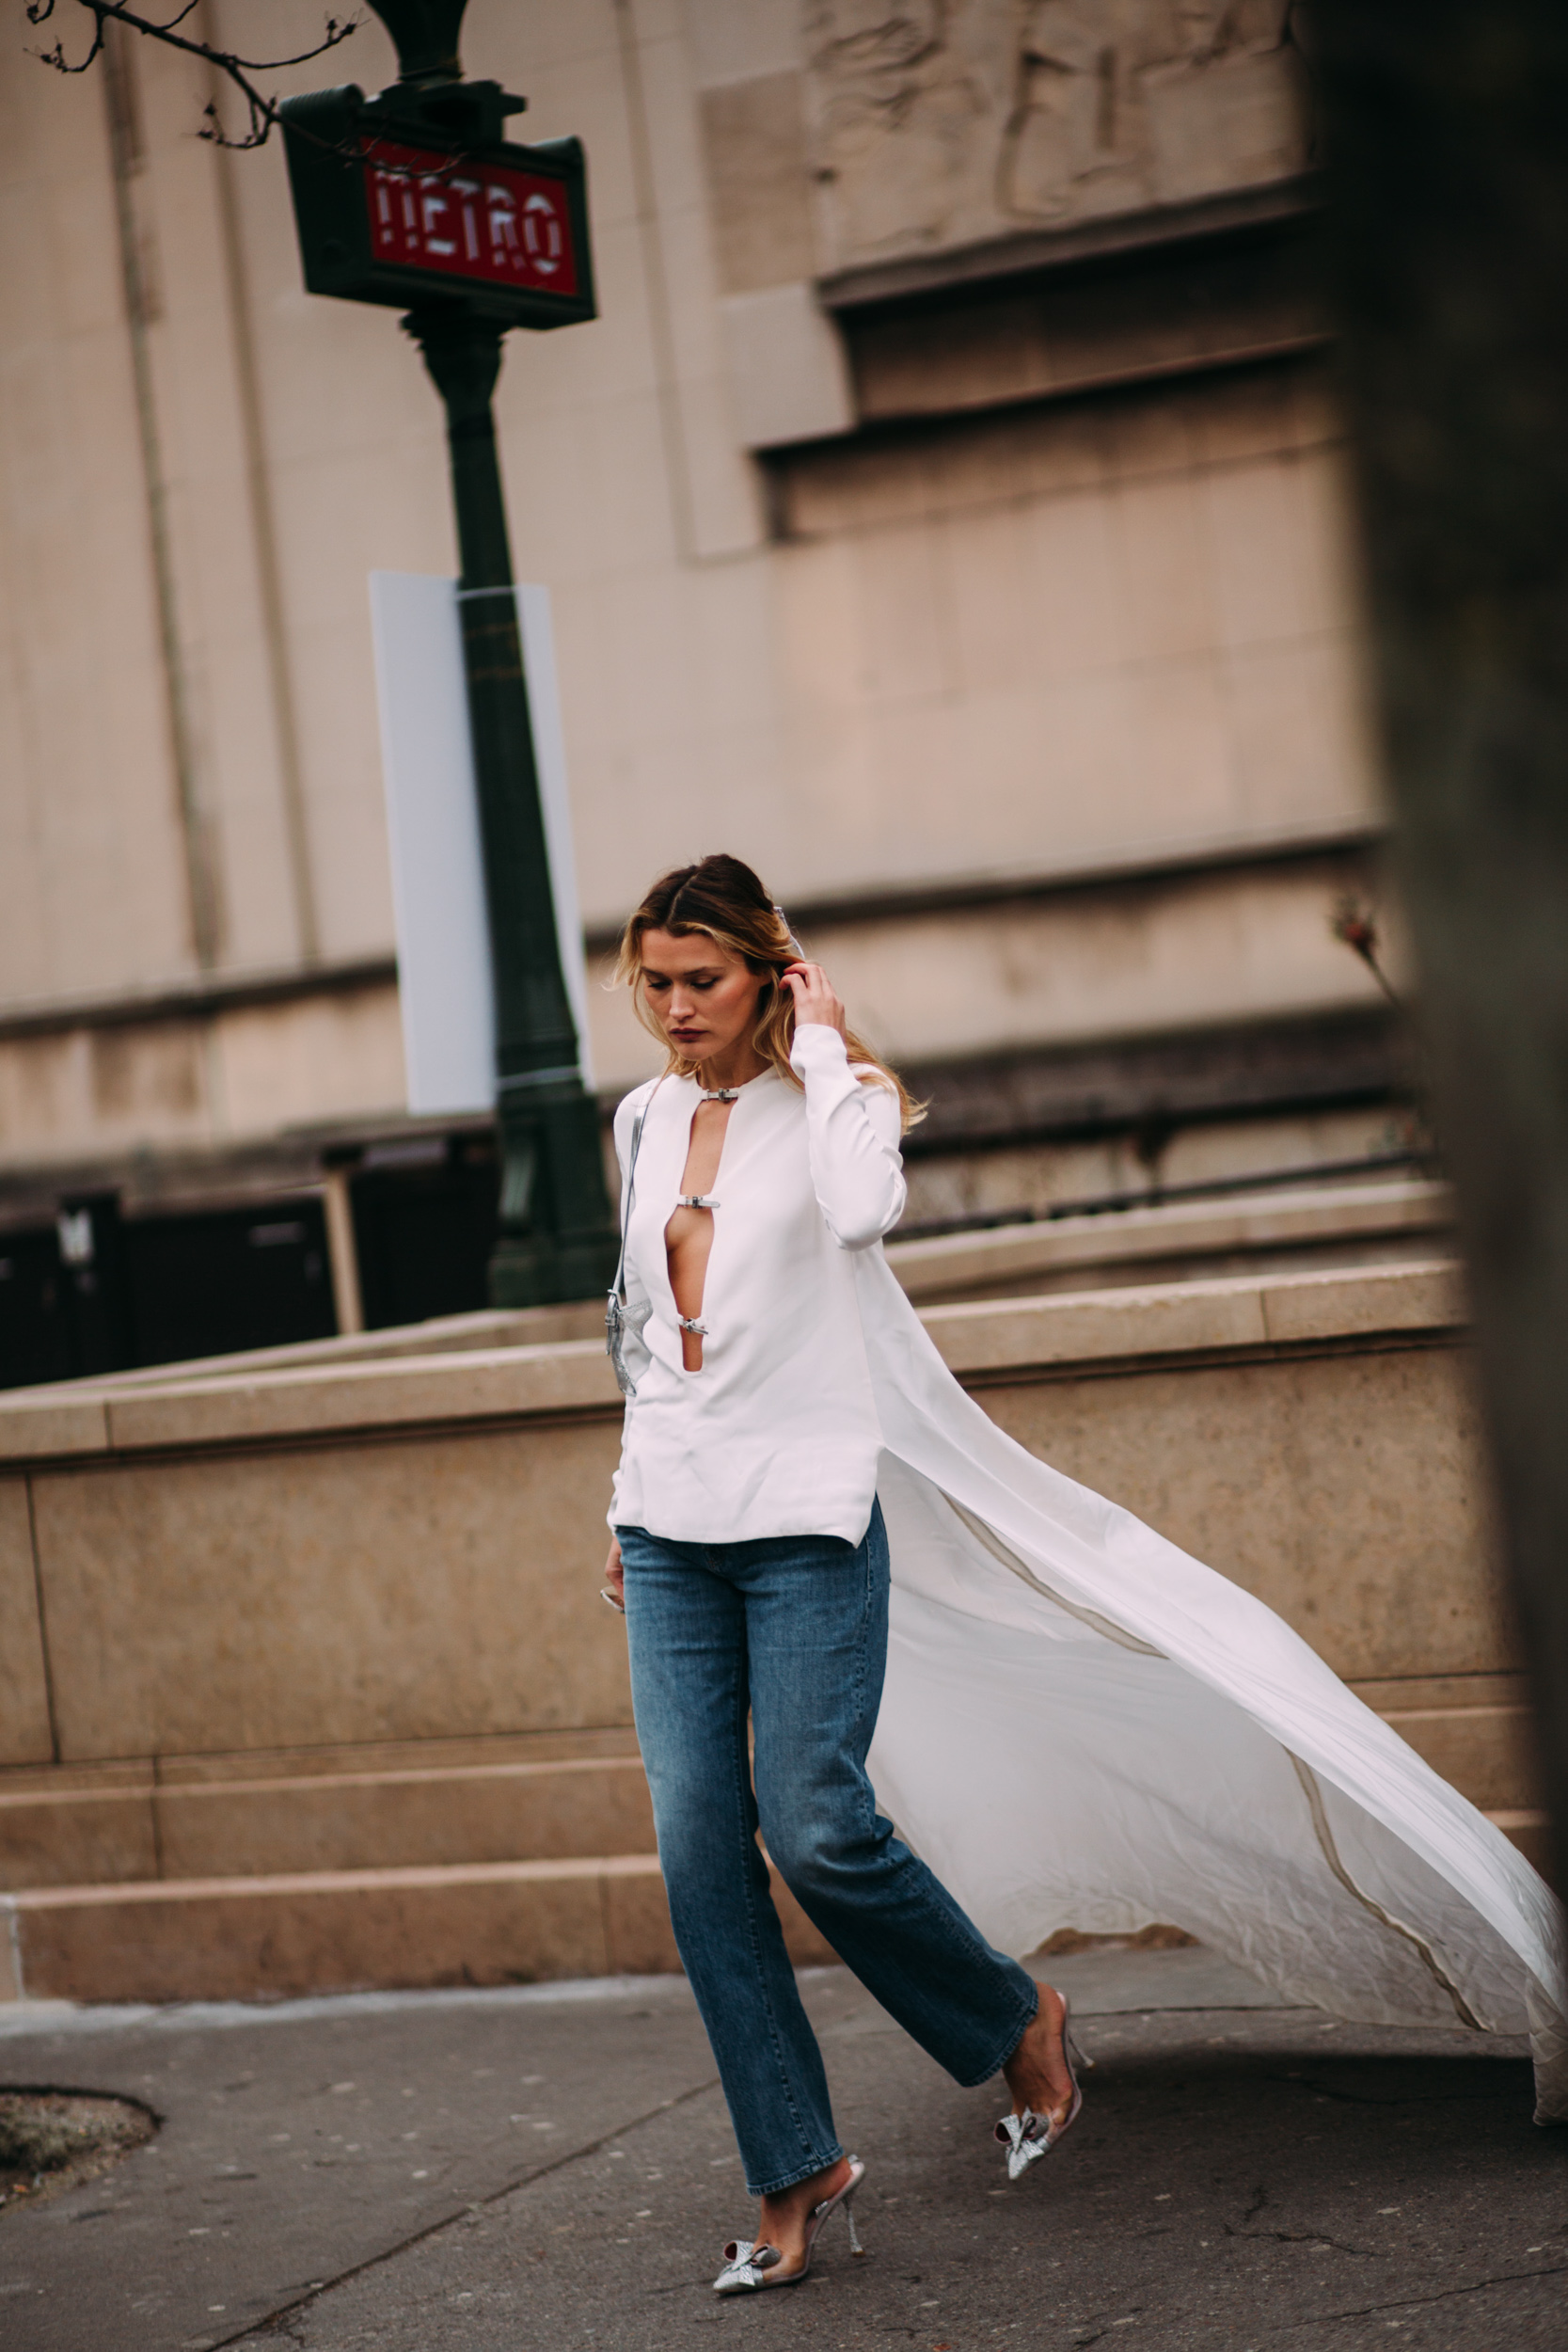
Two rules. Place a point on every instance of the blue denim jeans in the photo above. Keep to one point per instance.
(793, 1630)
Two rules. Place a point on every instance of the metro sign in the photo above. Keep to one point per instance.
(488, 221)
(505, 228)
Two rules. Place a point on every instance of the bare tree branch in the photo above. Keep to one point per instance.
(261, 109)
(1355, 924)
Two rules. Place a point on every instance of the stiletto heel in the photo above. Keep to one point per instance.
(749, 2264)
(1028, 2137)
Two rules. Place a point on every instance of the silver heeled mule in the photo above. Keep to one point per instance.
(750, 2263)
(1028, 2137)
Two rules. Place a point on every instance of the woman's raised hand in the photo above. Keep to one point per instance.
(815, 1001)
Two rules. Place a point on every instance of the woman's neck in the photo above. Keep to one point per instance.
(731, 1068)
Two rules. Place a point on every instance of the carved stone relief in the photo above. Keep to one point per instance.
(942, 122)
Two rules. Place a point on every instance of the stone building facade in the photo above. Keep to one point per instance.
(945, 513)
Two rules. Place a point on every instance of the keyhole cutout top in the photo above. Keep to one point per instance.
(688, 1235)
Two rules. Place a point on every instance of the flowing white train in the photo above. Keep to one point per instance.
(1084, 1726)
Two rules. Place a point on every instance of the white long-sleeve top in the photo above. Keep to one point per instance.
(778, 1434)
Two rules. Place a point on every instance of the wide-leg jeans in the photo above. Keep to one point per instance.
(792, 1632)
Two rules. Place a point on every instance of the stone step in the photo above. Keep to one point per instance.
(1487, 1753)
(307, 1822)
(285, 1935)
(282, 1936)
(99, 1825)
(1530, 1830)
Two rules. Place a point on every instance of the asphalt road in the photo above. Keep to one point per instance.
(553, 2168)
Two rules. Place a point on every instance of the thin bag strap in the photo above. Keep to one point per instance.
(618, 1288)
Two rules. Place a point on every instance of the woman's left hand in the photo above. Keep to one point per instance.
(815, 1001)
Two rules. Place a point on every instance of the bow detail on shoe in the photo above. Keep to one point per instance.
(1026, 2137)
(746, 2261)
(749, 2264)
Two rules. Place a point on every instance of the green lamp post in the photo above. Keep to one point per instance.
(415, 199)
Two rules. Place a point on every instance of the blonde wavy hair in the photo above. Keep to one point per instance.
(722, 899)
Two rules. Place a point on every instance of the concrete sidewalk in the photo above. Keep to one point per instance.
(553, 2168)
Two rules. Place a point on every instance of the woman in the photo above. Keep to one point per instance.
(1080, 1725)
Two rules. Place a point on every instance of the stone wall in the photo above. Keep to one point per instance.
(292, 1645)
(1008, 600)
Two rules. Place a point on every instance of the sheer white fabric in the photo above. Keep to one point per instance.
(1083, 1726)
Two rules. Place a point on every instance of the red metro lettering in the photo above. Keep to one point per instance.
(484, 221)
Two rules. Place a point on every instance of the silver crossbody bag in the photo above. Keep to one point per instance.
(622, 1321)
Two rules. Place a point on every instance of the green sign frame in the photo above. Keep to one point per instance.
(364, 186)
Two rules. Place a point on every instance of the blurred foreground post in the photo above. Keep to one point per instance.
(1446, 133)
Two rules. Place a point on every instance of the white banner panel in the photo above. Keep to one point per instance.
(444, 983)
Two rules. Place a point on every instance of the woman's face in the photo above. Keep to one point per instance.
(704, 998)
